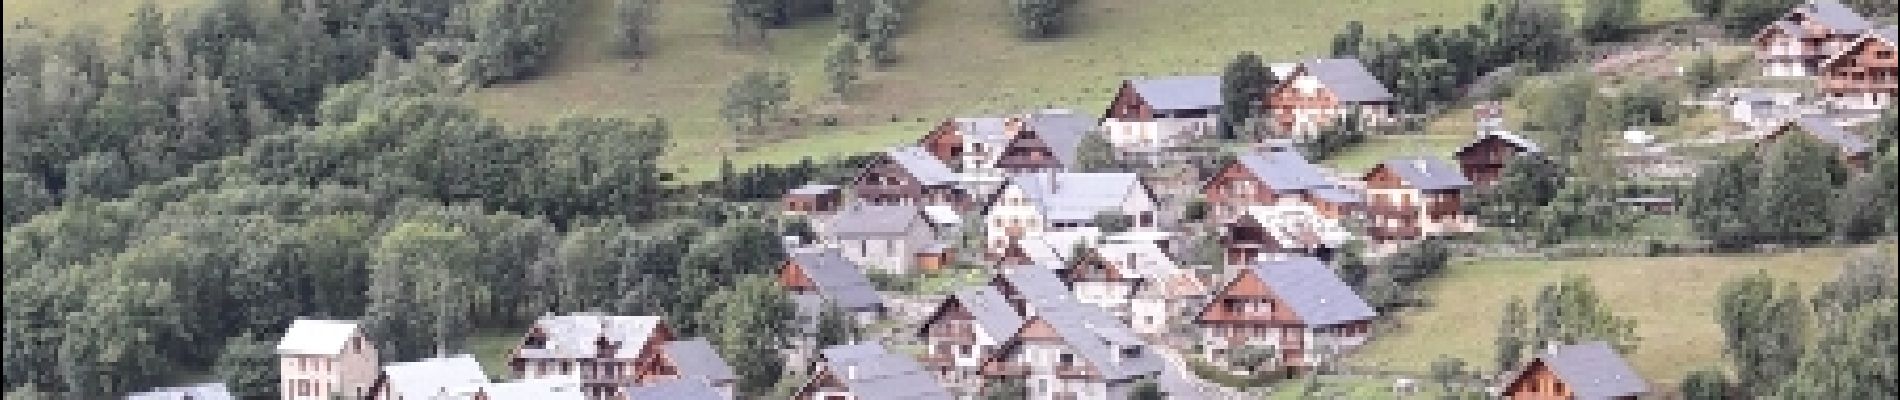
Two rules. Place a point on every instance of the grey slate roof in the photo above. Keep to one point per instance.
(1837, 16)
(870, 371)
(992, 312)
(1593, 371)
(1062, 130)
(429, 377)
(874, 221)
(1076, 196)
(207, 391)
(838, 279)
(695, 358)
(1428, 173)
(675, 389)
(1339, 195)
(1179, 93)
(1348, 80)
(1825, 130)
(574, 335)
(812, 189)
(1314, 293)
(925, 167)
(987, 130)
(316, 337)
(1284, 171)
(1090, 331)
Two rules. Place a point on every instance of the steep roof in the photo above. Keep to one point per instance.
(870, 371)
(561, 387)
(1594, 371)
(1837, 16)
(432, 376)
(925, 167)
(1315, 294)
(869, 220)
(839, 280)
(1045, 295)
(1349, 80)
(1078, 327)
(574, 335)
(1508, 137)
(695, 358)
(316, 337)
(1284, 170)
(206, 391)
(1827, 131)
(687, 388)
(1299, 225)
(1075, 196)
(1062, 130)
(988, 130)
(992, 312)
(1889, 34)
(1427, 173)
(1180, 92)
(1150, 262)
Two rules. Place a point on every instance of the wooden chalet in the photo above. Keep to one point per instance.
(1583, 371)
(1414, 197)
(962, 331)
(1797, 43)
(813, 199)
(908, 176)
(1275, 178)
(1320, 92)
(1866, 74)
(867, 372)
(1296, 308)
(1150, 115)
(608, 352)
(1483, 160)
(1044, 141)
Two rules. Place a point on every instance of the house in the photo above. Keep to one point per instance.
(971, 146)
(1415, 197)
(1797, 43)
(608, 352)
(694, 359)
(895, 239)
(1275, 178)
(1761, 109)
(1031, 204)
(816, 277)
(566, 387)
(961, 332)
(813, 199)
(1589, 371)
(1284, 230)
(869, 372)
(1866, 74)
(678, 389)
(1483, 160)
(1044, 141)
(318, 359)
(1296, 310)
(908, 176)
(1065, 349)
(1136, 281)
(207, 391)
(1320, 92)
(1151, 115)
(427, 378)
(1854, 149)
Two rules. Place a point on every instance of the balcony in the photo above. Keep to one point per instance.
(1005, 369)
(1395, 231)
(937, 361)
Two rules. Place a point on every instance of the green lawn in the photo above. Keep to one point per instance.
(491, 346)
(1671, 298)
(1357, 160)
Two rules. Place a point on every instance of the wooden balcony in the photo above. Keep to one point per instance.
(1005, 369)
(1074, 371)
(1392, 232)
(937, 361)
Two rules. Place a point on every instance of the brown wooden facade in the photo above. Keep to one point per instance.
(1027, 152)
(945, 142)
(1868, 67)
(1128, 106)
(793, 279)
(1483, 160)
(1400, 202)
(603, 376)
(1539, 382)
(1245, 309)
(886, 182)
(1235, 188)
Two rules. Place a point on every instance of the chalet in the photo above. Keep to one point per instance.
(545, 388)
(908, 176)
(1483, 159)
(1263, 232)
(1854, 148)
(1065, 349)
(1320, 92)
(1044, 141)
(1150, 115)
(963, 329)
(608, 352)
(894, 239)
(813, 199)
(1866, 74)
(1410, 198)
(678, 389)
(1050, 250)
(1031, 204)
(1584, 371)
(319, 359)
(427, 378)
(1810, 33)
(1275, 178)
(1297, 310)
(869, 372)
(207, 391)
(1136, 281)
(971, 146)
(816, 277)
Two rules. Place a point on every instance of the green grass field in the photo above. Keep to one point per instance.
(491, 346)
(104, 17)
(1672, 300)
